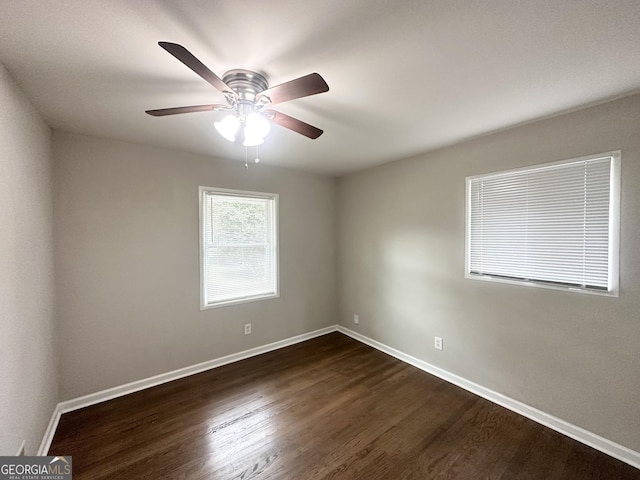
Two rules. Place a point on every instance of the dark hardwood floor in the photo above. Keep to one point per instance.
(328, 408)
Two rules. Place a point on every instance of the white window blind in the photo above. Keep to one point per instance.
(238, 246)
(553, 224)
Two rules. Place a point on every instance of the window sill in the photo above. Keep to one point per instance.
(531, 283)
(238, 301)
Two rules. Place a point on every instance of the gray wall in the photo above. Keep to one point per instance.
(28, 370)
(401, 268)
(127, 270)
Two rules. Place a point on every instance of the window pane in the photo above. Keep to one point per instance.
(549, 223)
(239, 246)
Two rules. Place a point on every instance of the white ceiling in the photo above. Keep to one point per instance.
(405, 76)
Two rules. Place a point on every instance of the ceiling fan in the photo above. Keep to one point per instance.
(248, 97)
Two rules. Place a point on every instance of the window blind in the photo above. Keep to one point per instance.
(239, 247)
(547, 224)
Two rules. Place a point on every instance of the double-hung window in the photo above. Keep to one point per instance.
(554, 225)
(238, 246)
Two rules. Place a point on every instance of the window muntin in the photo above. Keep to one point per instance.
(553, 225)
(238, 246)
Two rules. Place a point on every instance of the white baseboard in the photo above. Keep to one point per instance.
(577, 433)
(21, 449)
(49, 432)
(127, 388)
(136, 386)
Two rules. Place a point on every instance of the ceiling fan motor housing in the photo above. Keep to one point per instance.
(246, 85)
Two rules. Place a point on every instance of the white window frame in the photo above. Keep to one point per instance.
(614, 230)
(238, 193)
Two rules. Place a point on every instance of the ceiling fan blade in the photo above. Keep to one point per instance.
(177, 110)
(186, 57)
(294, 124)
(300, 87)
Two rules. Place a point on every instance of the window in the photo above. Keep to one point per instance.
(238, 247)
(552, 225)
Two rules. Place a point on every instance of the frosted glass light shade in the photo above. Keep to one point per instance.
(258, 125)
(251, 140)
(256, 128)
(228, 127)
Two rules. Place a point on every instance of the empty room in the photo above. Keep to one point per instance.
(320, 240)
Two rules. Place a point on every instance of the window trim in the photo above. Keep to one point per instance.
(614, 229)
(237, 193)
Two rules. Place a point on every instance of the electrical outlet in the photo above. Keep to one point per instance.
(247, 329)
(437, 343)
(356, 319)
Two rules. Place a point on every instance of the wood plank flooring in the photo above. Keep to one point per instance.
(328, 408)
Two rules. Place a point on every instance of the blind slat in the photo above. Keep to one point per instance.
(549, 223)
(239, 243)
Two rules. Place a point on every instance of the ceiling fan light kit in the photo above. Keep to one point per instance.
(247, 94)
(228, 127)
